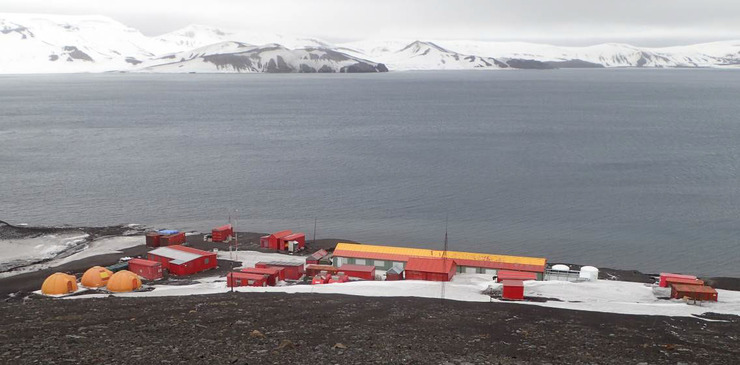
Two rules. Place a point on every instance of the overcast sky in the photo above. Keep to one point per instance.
(567, 22)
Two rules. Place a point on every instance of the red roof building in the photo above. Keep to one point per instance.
(293, 242)
(150, 270)
(513, 290)
(272, 241)
(358, 271)
(245, 279)
(181, 260)
(430, 269)
(515, 275)
(394, 273)
(316, 257)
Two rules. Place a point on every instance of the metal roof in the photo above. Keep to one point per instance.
(513, 283)
(177, 257)
(434, 265)
(144, 262)
(694, 289)
(319, 254)
(394, 270)
(281, 263)
(534, 264)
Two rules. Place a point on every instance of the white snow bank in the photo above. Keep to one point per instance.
(99, 247)
(16, 252)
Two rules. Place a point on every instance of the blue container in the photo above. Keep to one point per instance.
(168, 232)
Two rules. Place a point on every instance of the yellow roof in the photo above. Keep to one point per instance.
(420, 252)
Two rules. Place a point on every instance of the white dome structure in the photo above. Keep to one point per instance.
(560, 267)
(589, 273)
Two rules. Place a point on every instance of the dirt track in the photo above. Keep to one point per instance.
(305, 328)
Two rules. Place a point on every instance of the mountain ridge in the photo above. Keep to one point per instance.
(41, 43)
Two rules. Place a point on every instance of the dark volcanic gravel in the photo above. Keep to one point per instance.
(308, 329)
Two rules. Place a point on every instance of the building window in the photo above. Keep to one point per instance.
(351, 260)
(379, 263)
(360, 261)
(206, 261)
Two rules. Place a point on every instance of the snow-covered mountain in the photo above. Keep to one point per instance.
(31, 43)
(196, 36)
(40, 43)
(271, 58)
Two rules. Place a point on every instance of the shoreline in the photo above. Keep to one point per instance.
(27, 282)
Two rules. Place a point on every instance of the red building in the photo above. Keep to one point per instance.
(291, 270)
(515, 275)
(313, 270)
(273, 241)
(245, 279)
(181, 260)
(358, 271)
(273, 274)
(664, 275)
(394, 273)
(152, 239)
(696, 292)
(436, 269)
(293, 242)
(316, 257)
(513, 290)
(150, 270)
(222, 234)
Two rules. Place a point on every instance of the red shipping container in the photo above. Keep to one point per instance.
(515, 275)
(681, 281)
(272, 241)
(513, 290)
(152, 239)
(244, 279)
(696, 292)
(358, 271)
(172, 239)
(272, 273)
(430, 269)
(222, 234)
(313, 270)
(665, 275)
(147, 269)
(181, 260)
(292, 270)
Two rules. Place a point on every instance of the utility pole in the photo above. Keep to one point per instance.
(314, 231)
(444, 257)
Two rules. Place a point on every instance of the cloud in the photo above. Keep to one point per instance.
(561, 21)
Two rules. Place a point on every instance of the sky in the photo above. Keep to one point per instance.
(563, 22)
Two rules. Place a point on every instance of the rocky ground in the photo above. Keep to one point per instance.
(249, 328)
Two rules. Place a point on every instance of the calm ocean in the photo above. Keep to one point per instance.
(620, 168)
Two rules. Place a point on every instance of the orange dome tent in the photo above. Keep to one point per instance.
(59, 283)
(96, 277)
(124, 281)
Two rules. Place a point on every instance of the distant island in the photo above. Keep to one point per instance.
(42, 43)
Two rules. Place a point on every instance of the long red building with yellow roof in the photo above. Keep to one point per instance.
(385, 257)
